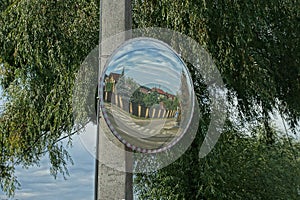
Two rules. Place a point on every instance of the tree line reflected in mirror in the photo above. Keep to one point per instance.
(146, 93)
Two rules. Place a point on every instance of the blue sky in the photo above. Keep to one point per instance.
(149, 63)
(37, 183)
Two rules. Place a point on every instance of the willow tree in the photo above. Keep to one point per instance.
(254, 44)
(42, 46)
(256, 47)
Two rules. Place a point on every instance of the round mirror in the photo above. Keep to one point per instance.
(146, 95)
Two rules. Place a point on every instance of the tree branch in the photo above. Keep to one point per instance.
(58, 140)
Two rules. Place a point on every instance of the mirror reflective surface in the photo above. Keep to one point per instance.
(146, 95)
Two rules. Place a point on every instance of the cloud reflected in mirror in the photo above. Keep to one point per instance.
(146, 95)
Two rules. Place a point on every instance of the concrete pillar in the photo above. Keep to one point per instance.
(115, 17)
(173, 113)
(164, 114)
(116, 99)
(158, 116)
(147, 113)
(120, 102)
(153, 112)
(105, 96)
(139, 110)
(130, 107)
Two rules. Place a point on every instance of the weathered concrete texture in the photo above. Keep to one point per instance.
(113, 183)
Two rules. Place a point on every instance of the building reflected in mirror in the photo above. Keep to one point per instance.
(146, 95)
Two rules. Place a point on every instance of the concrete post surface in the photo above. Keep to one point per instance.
(110, 182)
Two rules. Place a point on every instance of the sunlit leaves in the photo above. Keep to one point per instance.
(255, 45)
(42, 46)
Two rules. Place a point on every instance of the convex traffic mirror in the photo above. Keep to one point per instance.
(146, 95)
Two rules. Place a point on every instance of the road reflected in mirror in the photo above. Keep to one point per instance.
(146, 95)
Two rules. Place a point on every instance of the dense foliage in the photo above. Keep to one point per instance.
(255, 45)
(239, 167)
(42, 46)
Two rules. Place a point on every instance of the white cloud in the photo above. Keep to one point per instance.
(37, 183)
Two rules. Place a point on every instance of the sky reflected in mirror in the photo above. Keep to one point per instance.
(146, 95)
